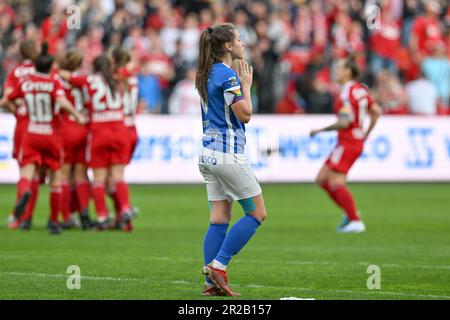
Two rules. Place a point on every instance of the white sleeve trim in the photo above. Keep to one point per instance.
(229, 97)
(233, 88)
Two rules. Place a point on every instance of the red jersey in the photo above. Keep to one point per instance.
(428, 33)
(12, 81)
(354, 102)
(75, 95)
(130, 97)
(105, 108)
(40, 92)
(386, 41)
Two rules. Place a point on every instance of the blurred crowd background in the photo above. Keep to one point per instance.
(403, 49)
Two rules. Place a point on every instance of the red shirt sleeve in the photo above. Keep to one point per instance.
(77, 80)
(16, 92)
(10, 81)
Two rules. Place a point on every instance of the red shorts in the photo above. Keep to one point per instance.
(19, 131)
(42, 150)
(344, 156)
(74, 142)
(108, 145)
(133, 141)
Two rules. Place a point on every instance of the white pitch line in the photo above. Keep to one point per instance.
(294, 262)
(57, 275)
(183, 282)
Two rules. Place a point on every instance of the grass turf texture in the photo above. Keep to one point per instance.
(295, 253)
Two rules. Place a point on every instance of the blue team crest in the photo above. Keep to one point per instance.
(233, 81)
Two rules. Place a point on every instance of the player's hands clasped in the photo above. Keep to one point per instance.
(245, 73)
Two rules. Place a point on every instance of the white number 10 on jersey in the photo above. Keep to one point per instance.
(39, 107)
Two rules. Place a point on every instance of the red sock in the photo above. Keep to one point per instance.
(65, 201)
(74, 204)
(123, 195)
(83, 193)
(343, 198)
(55, 203)
(325, 186)
(98, 193)
(32, 202)
(22, 186)
(116, 202)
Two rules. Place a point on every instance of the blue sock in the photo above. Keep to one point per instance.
(237, 238)
(213, 242)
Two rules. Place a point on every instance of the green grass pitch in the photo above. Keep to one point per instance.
(296, 252)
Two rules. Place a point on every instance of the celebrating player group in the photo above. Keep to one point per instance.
(67, 122)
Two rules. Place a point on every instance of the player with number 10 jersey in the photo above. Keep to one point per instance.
(41, 144)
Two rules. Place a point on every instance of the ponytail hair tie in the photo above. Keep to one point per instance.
(210, 29)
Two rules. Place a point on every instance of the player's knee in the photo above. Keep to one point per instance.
(259, 215)
(80, 179)
(262, 215)
(54, 185)
(335, 184)
(250, 207)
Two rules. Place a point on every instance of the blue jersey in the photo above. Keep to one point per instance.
(222, 130)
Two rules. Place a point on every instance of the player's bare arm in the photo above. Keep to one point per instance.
(374, 112)
(66, 105)
(342, 123)
(65, 74)
(9, 106)
(244, 108)
(6, 104)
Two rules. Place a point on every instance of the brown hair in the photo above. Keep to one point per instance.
(28, 49)
(120, 56)
(350, 63)
(101, 64)
(72, 60)
(211, 50)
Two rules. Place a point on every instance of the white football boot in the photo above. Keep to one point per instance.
(353, 227)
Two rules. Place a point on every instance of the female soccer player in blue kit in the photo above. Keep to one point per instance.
(226, 106)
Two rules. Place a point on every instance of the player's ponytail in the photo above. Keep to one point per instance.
(44, 61)
(211, 50)
(121, 57)
(102, 66)
(44, 48)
